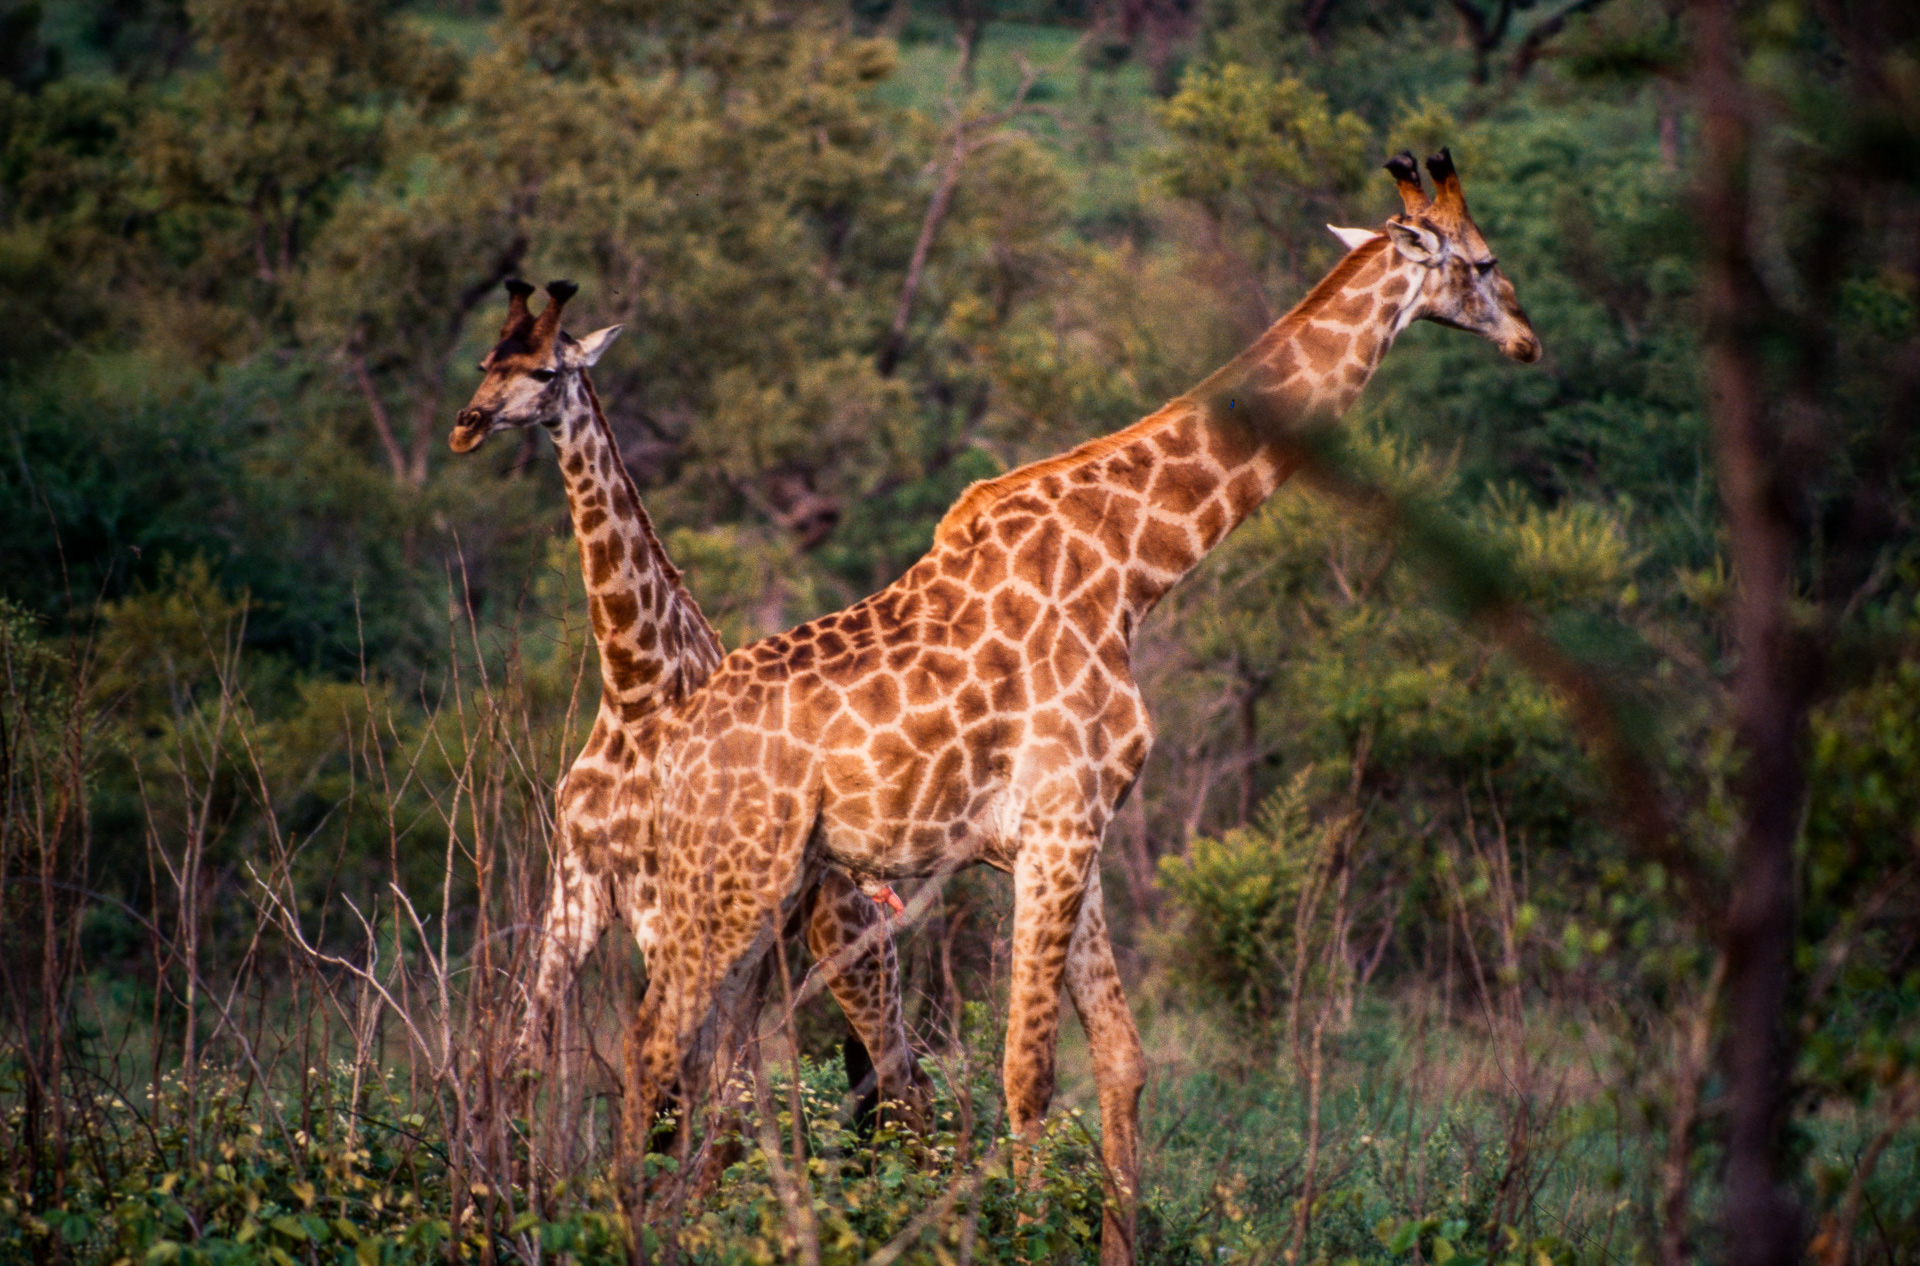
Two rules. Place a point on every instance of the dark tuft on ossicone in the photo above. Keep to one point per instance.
(518, 288)
(1440, 166)
(1402, 167)
(562, 290)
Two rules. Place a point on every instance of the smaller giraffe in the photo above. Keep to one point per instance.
(655, 647)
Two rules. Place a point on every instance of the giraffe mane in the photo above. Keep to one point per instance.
(1328, 286)
(983, 493)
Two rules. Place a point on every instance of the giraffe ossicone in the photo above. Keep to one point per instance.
(981, 709)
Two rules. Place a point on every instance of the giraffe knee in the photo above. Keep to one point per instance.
(1122, 1064)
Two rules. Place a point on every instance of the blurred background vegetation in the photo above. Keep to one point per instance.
(275, 658)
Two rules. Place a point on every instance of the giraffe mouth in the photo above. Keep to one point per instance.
(1525, 349)
(469, 429)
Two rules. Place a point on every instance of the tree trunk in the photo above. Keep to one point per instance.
(1763, 1218)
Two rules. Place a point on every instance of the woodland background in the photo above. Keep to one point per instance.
(1526, 869)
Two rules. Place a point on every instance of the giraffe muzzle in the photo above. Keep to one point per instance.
(469, 428)
(1525, 349)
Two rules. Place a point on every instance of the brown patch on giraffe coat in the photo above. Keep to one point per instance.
(1107, 517)
(1324, 347)
(1181, 440)
(986, 747)
(998, 665)
(935, 676)
(946, 790)
(876, 699)
(989, 567)
(970, 704)
(1182, 486)
(1244, 495)
(1130, 468)
(967, 624)
(1211, 523)
(1283, 363)
(1231, 440)
(1352, 309)
(928, 729)
(842, 731)
(588, 791)
(1165, 545)
(1013, 613)
(1142, 591)
(1079, 563)
(1092, 610)
(1013, 528)
(1039, 557)
(1045, 630)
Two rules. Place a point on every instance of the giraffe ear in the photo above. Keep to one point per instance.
(1354, 239)
(587, 351)
(1416, 241)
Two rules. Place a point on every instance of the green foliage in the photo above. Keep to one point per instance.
(1236, 902)
(357, 1172)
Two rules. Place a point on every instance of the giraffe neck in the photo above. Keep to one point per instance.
(655, 645)
(1246, 419)
(1159, 495)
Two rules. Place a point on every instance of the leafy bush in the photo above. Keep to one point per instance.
(1235, 905)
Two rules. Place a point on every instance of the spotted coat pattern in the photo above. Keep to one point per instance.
(655, 647)
(982, 709)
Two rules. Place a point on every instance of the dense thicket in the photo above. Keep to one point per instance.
(1463, 716)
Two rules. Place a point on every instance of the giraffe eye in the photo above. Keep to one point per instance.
(1484, 266)
(540, 375)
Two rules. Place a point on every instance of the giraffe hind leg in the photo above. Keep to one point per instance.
(1119, 1070)
(850, 938)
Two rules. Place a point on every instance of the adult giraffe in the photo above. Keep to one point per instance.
(655, 648)
(982, 709)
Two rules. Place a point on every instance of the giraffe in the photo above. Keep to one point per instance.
(655, 647)
(981, 710)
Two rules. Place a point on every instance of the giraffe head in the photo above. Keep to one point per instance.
(1461, 282)
(530, 371)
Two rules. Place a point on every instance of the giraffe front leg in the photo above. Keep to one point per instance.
(848, 936)
(577, 914)
(1050, 879)
(1119, 1069)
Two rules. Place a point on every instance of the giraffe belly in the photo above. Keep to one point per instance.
(911, 850)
